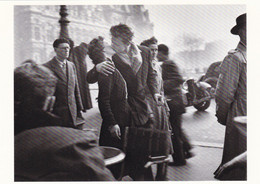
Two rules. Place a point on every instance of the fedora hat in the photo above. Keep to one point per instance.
(241, 20)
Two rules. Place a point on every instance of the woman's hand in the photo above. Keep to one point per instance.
(115, 131)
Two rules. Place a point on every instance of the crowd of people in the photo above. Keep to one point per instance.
(139, 86)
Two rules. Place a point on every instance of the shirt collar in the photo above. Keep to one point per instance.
(61, 63)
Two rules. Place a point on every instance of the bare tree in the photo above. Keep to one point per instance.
(190, 42)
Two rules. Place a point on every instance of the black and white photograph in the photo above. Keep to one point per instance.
(129, 91)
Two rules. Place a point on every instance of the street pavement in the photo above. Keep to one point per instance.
(205, 134)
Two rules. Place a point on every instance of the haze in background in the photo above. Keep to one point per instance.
(209, 25)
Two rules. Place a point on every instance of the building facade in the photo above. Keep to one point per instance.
(37, 26)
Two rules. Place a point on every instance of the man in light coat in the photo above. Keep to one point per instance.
(231, 96)
(68, 100)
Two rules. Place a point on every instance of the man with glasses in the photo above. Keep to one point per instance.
(68, 102)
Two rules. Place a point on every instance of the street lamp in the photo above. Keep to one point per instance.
(64, 29)
(64, 22)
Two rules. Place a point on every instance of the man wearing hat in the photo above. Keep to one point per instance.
(231, 97)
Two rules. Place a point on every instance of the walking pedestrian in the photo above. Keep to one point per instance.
(172, 81)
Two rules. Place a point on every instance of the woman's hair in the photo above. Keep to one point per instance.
(96, 50)
(123, 31)
(150, 41)
(164, 49)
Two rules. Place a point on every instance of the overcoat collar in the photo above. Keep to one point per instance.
(57, 69)
(242, 48)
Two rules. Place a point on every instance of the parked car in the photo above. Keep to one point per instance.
(212, 74)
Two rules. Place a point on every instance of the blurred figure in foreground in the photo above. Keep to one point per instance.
(34, 86)
(45, 151)
(172, 81)
(231, 95)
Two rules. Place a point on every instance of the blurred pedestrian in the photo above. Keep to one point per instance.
(45, 151)
(68, 104)
(231, 94)
(172, 81)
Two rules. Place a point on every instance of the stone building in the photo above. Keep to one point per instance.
(37, 26)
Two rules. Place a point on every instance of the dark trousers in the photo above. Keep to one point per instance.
(180, 141)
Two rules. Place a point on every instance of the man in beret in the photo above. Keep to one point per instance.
(231, 96)
(68, 100)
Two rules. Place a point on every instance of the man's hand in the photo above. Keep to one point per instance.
(106, 68)
(115, 131)
(158, 98)
(222, 112)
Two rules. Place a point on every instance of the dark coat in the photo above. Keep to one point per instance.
(68, 101)
(136, 85)
(171, 83)
(78, 57)
(113, 106)
(59, 154)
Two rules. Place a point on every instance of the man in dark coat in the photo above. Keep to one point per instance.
(78, 57)
(172, 81)
(68, 102)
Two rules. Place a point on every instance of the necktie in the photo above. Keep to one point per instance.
(63, 67)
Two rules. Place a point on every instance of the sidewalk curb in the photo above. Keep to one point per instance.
(207, 144)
